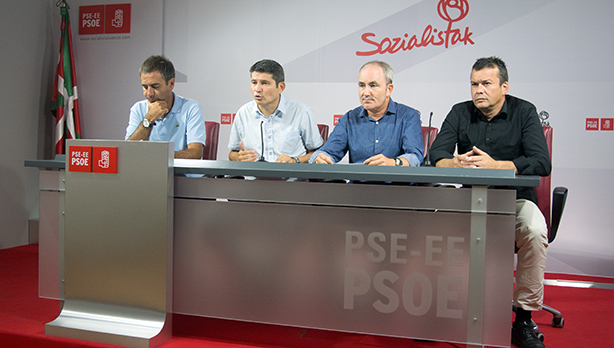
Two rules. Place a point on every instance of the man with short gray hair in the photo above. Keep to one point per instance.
(380, 131)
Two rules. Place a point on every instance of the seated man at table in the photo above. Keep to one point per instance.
(271, 127)
(165, 116)
(497, 130)
(380, 131)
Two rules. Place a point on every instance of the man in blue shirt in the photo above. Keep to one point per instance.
(380, 131)
(271, 127)
(165, 116)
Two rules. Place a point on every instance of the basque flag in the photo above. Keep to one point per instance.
(64, 105)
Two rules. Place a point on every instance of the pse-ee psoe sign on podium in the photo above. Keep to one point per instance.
(118, 243)
(96, 159)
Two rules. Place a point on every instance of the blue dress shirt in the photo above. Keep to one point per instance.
(398, 133)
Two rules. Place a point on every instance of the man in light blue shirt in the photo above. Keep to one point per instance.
(165, 116)
(380, 131)
(272, 128)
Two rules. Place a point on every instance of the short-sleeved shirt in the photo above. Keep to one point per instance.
(183, 125)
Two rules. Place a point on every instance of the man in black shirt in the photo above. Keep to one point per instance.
(499, 131)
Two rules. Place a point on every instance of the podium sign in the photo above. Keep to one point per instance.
(80, 159)
(118, 243)
(429, 263)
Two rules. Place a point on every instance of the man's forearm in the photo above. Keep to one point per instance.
(305, 158)
(141, 133)
(456, 163)
(192, 152)
(445, 162)
(506, 165)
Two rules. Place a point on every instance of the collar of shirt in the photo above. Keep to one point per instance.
(177, 105)
(279, 112)
(392, 110)
(478, 114)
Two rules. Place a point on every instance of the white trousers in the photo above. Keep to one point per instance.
(532, 242)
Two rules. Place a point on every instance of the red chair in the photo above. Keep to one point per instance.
(323, 128)
(213, 133)
(552, 208)
(425, 136)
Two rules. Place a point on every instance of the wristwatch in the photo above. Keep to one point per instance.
(398, 162)
(296, 159)
(147, 123)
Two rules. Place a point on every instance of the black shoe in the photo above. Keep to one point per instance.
(524, 335)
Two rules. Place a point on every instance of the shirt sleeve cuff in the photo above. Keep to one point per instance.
(313, 156)
(412, 159)
(521, 163)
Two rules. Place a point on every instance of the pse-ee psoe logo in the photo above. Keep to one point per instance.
(227, 118)
(451, 11)
(604, 124)
(92, 159)
(104, 19)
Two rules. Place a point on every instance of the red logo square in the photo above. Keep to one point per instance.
(117, 18)
(336, 119)
(592, 124)
(104, 159)
(91, 20)
(226, 119)
(607, 124)
(80, 159)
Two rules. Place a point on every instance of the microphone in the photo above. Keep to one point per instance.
(427, 160)
(261, 158)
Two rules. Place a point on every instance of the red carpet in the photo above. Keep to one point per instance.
(23, 316)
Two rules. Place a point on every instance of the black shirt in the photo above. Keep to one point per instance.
(514, 134)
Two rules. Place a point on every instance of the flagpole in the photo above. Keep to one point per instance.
(64, 99)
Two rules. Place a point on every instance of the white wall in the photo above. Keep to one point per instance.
(24, 44)
(559, 55)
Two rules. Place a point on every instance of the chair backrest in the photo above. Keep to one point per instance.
(213, 133)
(425, 137)
(543, 191)
(323, 128)
(551, 203)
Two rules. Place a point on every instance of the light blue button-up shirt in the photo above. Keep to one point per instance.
(290, 130)
(183, 125)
